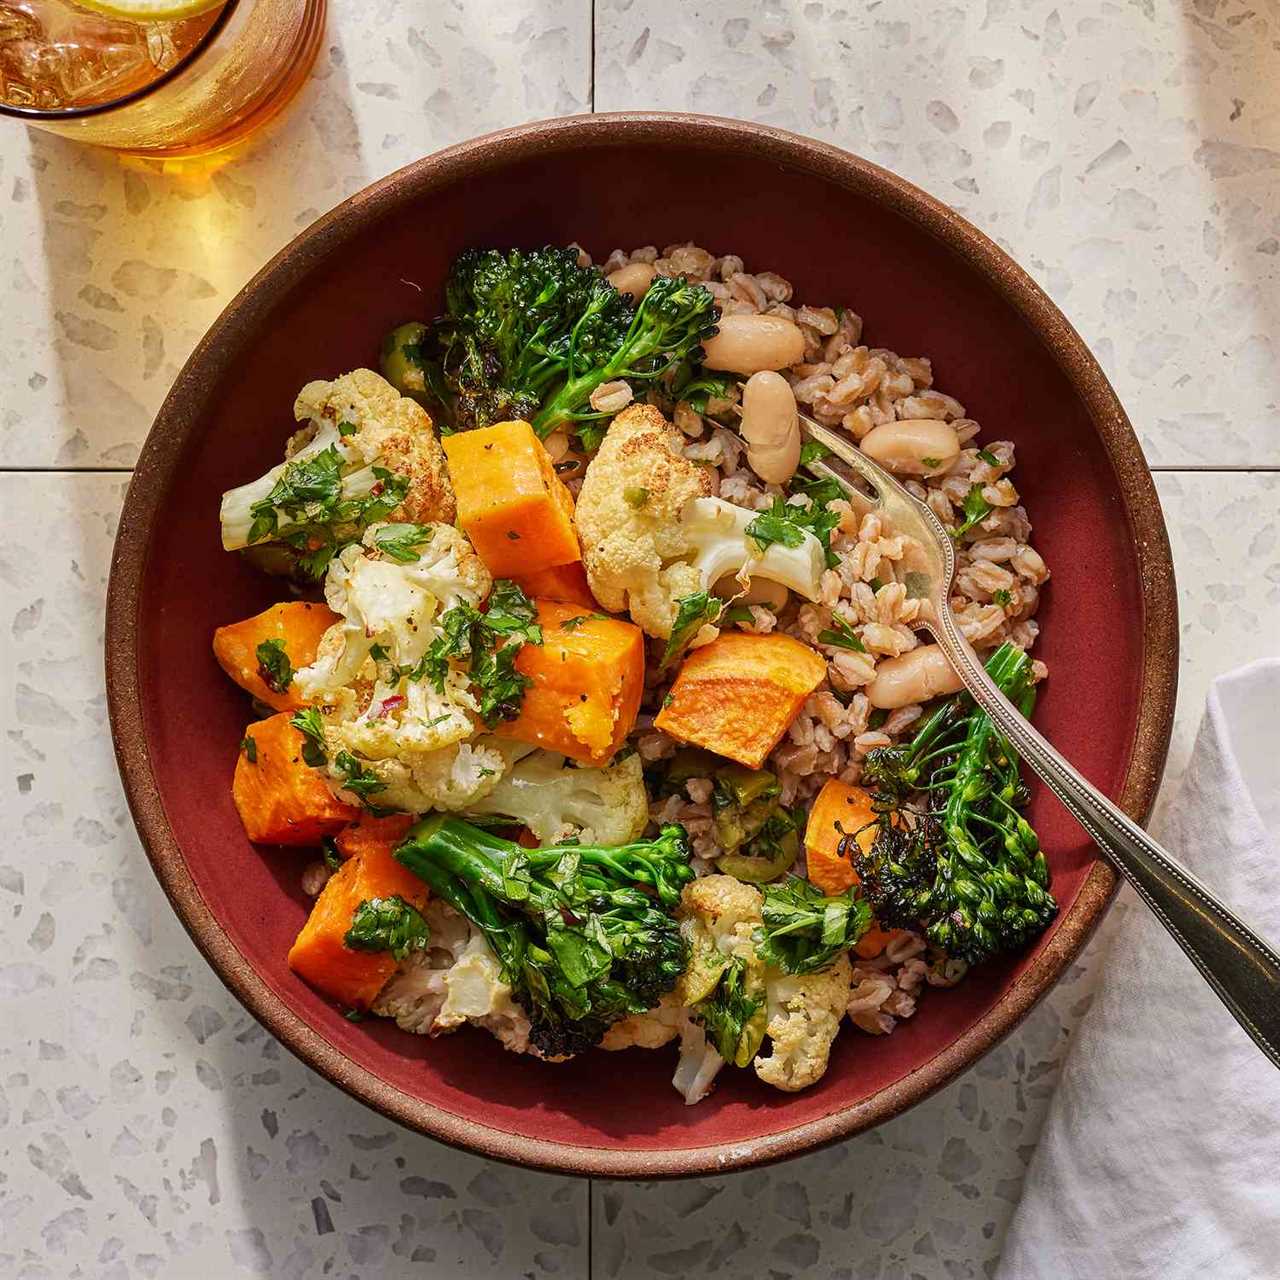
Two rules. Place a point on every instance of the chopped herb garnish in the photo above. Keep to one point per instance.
(635, 496)
(357, 779)
(403, 542)
(693, 612)
(931, 462)
(572, 624)
(379, 653)
(387, 924)
(842, 635)
(812, 451)
(976, 509)
(329, 851)
(274, 666)
(668, 698)
(1002, 598)
(589, 435)
(308, 722)
(787, 522)
(877, 718)
(250, 749)
(489, 642)
(738, 613)
(347, 428)
(988, 457)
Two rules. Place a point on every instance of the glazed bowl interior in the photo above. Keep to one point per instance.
(844, 233)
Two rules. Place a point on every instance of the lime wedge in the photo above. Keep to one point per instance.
(150, 10)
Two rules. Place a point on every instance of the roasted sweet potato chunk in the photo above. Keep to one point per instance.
(511, 504)
(281, 798)
(739, 694)
(320, 954)
(588, 674)
(292, 630)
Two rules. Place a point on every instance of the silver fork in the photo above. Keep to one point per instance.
(1240, 966)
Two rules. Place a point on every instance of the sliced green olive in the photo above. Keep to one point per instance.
(401, 359)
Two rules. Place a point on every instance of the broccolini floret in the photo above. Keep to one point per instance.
(585, 934)
(530, 334)
(965, 866)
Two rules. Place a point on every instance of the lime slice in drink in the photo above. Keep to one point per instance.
(150, 10)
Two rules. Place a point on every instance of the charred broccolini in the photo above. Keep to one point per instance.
(585, 935)
(963, 866)
(531, 334)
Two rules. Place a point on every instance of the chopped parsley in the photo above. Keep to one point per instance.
(812, 451)
(931, 462)
(307, 499)
(274, 666)
(738, 613)
(308, 723)
(357, 779)
(699, 392)
(329, 851)
(976, 509)
(403, 542)
(250, 749)
(693, 612)
(572, 624)
(380, 653)
(489, 643)
(1002, 598)
(387, 924)
(788, 522)
(635, 496)
(842, 635)
(347, 429)
(988, 457)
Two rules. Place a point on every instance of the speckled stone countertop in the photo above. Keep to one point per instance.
(1127, 153)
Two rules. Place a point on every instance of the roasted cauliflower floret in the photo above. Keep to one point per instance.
(628, 517)
(392, 431)
(556, 800)
(648, 1030)
(365, 454)
(804, 1017)
(652, 536)
(456, 980)
(383, 717)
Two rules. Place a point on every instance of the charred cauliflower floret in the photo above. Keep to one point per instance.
(628, 517)
(804, 1015)
(652, 536)
(364, 454)
(392, 733)
(456, 980)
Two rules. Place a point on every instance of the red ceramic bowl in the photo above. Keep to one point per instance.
(844, 231)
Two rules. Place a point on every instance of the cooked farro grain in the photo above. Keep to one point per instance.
(847, 384)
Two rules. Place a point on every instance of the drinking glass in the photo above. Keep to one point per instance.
(181, 88)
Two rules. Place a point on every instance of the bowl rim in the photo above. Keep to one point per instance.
(177, 420)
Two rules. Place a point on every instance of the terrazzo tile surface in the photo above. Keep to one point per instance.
(117, 270)
(149, 1126)
(1127, 153)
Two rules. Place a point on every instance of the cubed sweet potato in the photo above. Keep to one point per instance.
(369, 832)
(850, 808)
(564, 582)
(739, 694)
(511, 504)
(587, 679)
(298, 624)
(828, 869)
(281, 798)
(354, 978)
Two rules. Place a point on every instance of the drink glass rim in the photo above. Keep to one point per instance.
(114, 104)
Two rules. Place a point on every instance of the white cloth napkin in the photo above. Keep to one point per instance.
(1160, 1156)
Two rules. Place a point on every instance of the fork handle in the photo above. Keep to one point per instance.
(1241, 967)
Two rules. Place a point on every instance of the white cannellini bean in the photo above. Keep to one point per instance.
(913, 447)
(761, 591)
(914, 676)
(634, 279)
(771, 427)
(748, 343)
